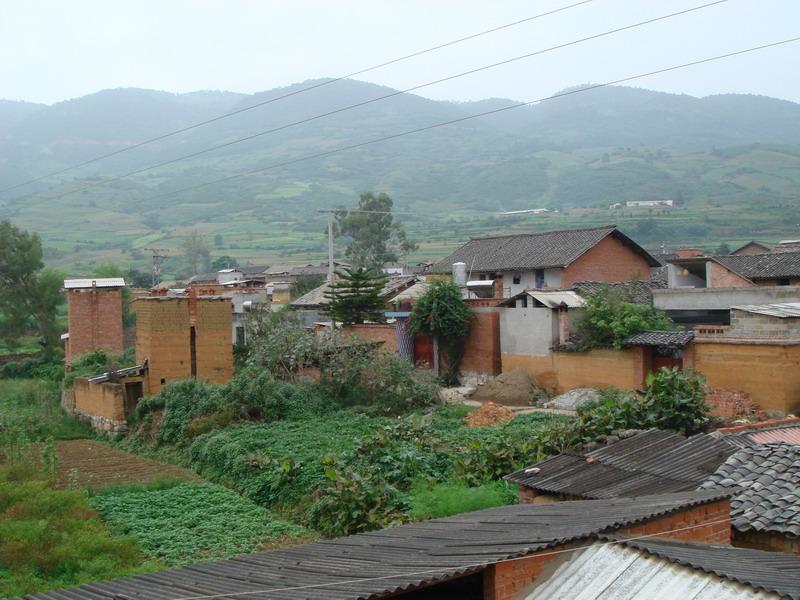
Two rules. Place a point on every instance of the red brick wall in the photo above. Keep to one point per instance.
(609, 260)
(482, 348)
(720, 277)
(508, 580)
(729, 404)
(376, 332)
(94, 320)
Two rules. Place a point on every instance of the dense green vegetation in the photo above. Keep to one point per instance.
(30, 412)
(732, 162)
(190, 522)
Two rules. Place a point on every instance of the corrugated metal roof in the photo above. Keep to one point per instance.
(650, 462)
(556, 299)
(382, 563)
(774, 572)
(613, 571)
(782, 310)
(70, 284)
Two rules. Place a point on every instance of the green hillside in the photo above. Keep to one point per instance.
(732, 162)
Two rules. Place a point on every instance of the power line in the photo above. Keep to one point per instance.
(470, 117)
(295, 93)
(441, 569)
(384, 97)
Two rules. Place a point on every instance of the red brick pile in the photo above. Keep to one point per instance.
(489, 414)
(733, 404)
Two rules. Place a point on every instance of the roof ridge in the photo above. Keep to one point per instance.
(535, 233)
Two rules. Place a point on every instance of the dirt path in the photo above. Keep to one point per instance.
(88, 463)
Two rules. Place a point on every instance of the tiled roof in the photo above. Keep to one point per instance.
(527, 251)
(779, 430)
(394, 285)
(638, 292)
(769, 571)
(382, 563)
(672, 339)
(653, 461)
(769, 476)
(772, 265)
(766, 246)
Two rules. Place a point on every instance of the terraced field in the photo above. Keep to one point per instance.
(87, 463)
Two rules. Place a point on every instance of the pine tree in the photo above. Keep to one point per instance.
(356, 297)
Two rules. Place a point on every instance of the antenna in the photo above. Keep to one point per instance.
(159, 256)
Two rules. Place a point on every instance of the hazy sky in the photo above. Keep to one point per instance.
(52, 50)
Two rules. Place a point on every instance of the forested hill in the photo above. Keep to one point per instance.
(583, 150)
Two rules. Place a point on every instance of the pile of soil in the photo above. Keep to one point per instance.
(489, 414)
(514, 388)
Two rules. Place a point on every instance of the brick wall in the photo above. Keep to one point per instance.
(376, 332)
(750, 325)
(213, 343)
(94, 320)
(162, 338)
(509, 580)
(731, 404)
(769, 373)
(718, 276)
(609, 260)
(763, 540)
(482, 347)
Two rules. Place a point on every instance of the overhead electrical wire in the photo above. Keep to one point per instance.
(384, 97)
(470, 117)
(320, 84)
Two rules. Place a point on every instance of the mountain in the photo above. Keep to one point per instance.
(580, 152)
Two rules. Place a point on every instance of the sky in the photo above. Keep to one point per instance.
(54, 50)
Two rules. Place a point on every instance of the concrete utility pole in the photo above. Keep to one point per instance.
(331, 269)
(159, 256)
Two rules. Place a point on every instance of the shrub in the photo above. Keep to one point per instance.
(279, 343)
(95, 362)
(42, 367)
(448, 499)
(609, 317)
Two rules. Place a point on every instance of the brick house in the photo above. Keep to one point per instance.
(503, 553)
(94, 316)
(552, 259)
(734, 270)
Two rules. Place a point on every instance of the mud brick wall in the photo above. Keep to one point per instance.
(213, 343)
(162, 338)
(105, 400)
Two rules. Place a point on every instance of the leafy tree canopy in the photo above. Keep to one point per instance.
(356, 297)
(375, 237)
(224, 262)
(197, 252)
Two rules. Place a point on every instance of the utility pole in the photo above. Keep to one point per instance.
(331, 269)
(159, 256)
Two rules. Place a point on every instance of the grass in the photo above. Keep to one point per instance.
(51, 538)
(30, 409)
(178, 523)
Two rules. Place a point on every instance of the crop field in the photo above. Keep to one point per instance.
(94, 465)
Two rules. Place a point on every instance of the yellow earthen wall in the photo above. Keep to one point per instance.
(213, 342)
(100, 399)
(564, 371)
(162, 338)
(770, 374)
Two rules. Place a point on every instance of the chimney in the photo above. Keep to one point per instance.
(689, 252)
(460, 274)
(498, 286)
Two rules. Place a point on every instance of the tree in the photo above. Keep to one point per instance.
(224, 262)
(375, 237)
(356, 297)
(609, 317)
(723, 248)
(197, 252)
(29, 294)
(441, 314)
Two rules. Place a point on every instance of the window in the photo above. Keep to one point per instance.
(240, 336)
(517, 279)
(539, 274)
(784, 281)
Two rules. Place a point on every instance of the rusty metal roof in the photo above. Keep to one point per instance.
(653, 461)
(383, 563)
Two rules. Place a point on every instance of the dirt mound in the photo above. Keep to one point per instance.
(514, 388)
(489, 414)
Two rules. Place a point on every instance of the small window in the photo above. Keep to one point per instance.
(539, 278)
(784, 281)
(163, 381)
(517, 279)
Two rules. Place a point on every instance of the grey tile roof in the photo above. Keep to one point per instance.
(525, 251)
(672, 339)
(638, 292)
(769, 478)
(772, 265)
(394, 285)
(382, 563)
(766, 246)
(774, 572)
(653, 461)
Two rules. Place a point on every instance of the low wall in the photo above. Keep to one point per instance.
(564, 371)
(101, 404)
(376, 332)
(769, 373)
(482, 347)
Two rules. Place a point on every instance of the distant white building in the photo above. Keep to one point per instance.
(631, 203)
(527, 211)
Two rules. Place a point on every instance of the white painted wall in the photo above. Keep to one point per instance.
(528, 331)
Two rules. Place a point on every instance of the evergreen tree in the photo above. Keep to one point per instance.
(356, 297)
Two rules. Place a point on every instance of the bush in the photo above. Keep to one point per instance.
(96, 362)
(444, 500)
(44, 367)
(609, 317)
(32, 409)
(279, 343)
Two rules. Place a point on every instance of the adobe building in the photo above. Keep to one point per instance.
(94, 316)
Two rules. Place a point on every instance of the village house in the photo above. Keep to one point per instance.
(552, 259)
(678, 542)
(94, 316)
